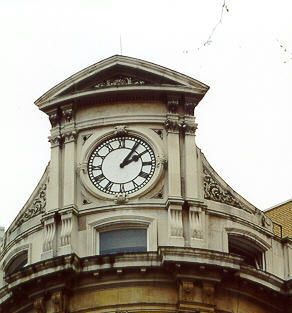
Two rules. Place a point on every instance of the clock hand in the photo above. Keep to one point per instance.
(126, 160)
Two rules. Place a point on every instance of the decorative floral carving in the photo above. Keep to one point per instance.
(122, 81)
(214, 191)
(188, 128)
(56, 140)
(54, 118)
(67, 113)
(38, 207)
(171, 125)
(159, 132)
(70, 136)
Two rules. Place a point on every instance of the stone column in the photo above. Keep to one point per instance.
(54, 186)
(69, 169)
(173, 147)
(188, 128)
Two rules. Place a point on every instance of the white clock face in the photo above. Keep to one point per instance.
(122, 164)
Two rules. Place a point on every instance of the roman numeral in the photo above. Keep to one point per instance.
(99, 178)
(122, 188)
(96, 167)
(122, 143)
(146, 163)
(110, 148)
(108, 186)
(135, 185)
(143, 174)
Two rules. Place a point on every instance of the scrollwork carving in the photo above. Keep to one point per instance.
(56, 141)
(70, 136)
(122, 81)
(54, 118)
(188, 128)
(67, 113)
(214, 191)
(38, 207)
(172, 125)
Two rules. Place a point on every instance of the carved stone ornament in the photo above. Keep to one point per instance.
(162, 161)
(59, 301)
(214, 191)
(172, 104)
(190, 104)
(171, 125)
(188, 128)
(54, 118)
(121, 198)
(120, 130)
(122, 81)
(38, 207)
(67, 113)
(56, 140)
(70, 136)
(39, 305)
(187, 290)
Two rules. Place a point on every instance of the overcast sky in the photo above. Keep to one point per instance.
(245, 119)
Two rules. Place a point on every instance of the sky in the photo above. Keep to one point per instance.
(241, 49)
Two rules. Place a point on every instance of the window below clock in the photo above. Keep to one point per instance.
(123, 241)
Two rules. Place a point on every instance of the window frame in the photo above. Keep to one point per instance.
(121, 222)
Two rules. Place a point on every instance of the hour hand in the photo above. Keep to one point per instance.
(127, 159)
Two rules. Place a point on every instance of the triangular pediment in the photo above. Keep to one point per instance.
(120, 73)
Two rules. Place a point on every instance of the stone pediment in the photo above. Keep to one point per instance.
(216, 189)
(35, 205)
(121, 74)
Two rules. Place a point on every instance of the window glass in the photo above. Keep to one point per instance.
(17, 263)
(123, 240)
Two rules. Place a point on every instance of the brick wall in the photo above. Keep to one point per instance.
(282, 215)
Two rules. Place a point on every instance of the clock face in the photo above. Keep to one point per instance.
(122, 164)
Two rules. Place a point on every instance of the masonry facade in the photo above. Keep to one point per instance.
(129, 216)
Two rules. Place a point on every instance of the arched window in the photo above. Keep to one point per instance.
(17, 263)
(248, 249)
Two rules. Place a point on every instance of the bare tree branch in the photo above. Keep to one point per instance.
(209, 39)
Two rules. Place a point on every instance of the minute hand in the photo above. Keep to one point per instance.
(126, 160)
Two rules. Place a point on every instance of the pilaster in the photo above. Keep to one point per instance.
(188, 128)
(54, 186)
(69, 135)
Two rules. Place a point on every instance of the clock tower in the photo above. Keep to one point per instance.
(129, 216)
